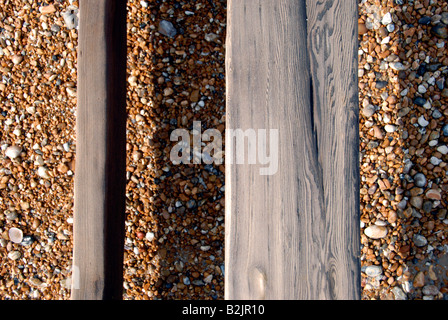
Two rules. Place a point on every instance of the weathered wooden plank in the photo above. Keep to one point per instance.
(99, 204)
(333, 47)
(287, 237)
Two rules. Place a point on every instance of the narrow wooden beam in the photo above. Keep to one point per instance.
(293, 234)
(99, 205)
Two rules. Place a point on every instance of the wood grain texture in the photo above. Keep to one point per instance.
(294, 234)
(99, 205)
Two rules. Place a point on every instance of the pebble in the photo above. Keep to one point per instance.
(397, 66)
(167, 28)
(443, 149)
(444, 17)
(422, 121)
(15, 235)
(445, 130)
(416, 202)
(70, 17)
(149, 236)
(399, 293)
(16, 59)
(13, 152)
(14, 255)
(419, 240)
(421, 89)
(433, 194)
(435, 161)
(387, 19)
(420, 101)
(425, 20)
(430, 290)
(47, 9)
(368, 111)
(436, 114)
(390, 128)
(420, 180)
(362, 28)
(373, 271)
(375, 232)
(419, 280)
(440, 30)
(43, 172)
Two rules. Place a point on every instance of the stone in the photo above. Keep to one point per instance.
(362, 28)
(368, 111)
(375, 232)
(444, 93)
(420, 180)
(43, 173)
(421, 89)
(435, 161)
(210, 37)
(422, 121)
(419, 240)
(390, 27)
(434, 194)
(442, 149)
(425, 20)
(47, 9)
(387, 18)
(416, 202)
(149, 236)
(440, 30)
(420, 101)
(430, 290)
(70, 17)
(436, 114)
(16, 59)
(15, 235)
(194, 97)
(14, 255)
(444, 17)
(390, 128)
(167, 28)
(373, 271)
(381, 84)
(397, 66)
(445, 130)
(403, 112)
(399, 293)
(13, 152)
(419, 280)
(427, 206)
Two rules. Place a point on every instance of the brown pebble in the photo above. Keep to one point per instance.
(362, 28)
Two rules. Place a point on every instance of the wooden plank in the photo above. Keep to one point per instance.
(293, 234)
(100, 175)
(333, 50)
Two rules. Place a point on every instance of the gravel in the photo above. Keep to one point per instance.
(174, 246)
(411, 154)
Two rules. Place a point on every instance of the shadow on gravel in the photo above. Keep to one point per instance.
(175, 213)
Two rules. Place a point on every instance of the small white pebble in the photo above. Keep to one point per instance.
(421, 89)
(43, 172)
(390, 128)
(422, 121)
(387, 19)
(435, 161)
(15, 235)
(150, 236)
(443, 149)
(13, 152)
